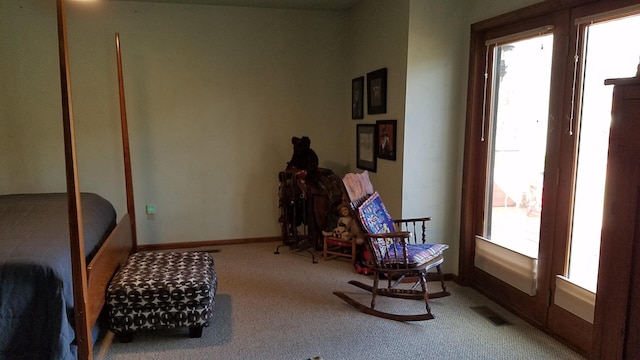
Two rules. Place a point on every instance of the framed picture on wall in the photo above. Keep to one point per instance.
(377, 91)
(357, 98)
(366, 147)
(386, 139)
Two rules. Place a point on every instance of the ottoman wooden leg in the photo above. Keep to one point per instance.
(125, 336)
(195, 331)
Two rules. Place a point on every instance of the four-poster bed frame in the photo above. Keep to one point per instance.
(90, 281)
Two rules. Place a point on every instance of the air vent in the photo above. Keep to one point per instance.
(490, 315)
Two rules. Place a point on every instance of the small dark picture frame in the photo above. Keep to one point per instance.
(386, 139)
(366, 147)
(377, 91)
(357, 98)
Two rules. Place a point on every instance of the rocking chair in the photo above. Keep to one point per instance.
(397, 256)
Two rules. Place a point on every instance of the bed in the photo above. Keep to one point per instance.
(58, 252)
(36, 287)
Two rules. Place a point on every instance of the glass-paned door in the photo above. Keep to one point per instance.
(534, 120)
(610, 52)
(517, 142)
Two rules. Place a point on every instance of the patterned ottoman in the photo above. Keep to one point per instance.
(160, 290)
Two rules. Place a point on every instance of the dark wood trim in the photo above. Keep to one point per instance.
(474, 158)
(564, 169)
(434, 277)
(198, 244)
(571, 330)
(557, 130)
(539, 9)
(559, 181)
(474, 182)
(566, 327)
(597, 7)
(530, 308)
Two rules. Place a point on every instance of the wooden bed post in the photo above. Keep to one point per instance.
(78, 261)
(128, 177)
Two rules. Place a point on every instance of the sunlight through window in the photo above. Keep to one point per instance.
(522, 77)
(605, 58)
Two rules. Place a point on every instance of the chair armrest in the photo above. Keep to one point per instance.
(416, 226)
(420, 219)
(396, 234)
(385, 253)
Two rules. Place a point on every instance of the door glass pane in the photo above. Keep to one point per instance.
(611, 52)
(520, 107)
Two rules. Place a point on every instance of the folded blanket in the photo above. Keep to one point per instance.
(358, 185)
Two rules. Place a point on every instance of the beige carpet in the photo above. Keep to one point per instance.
(281, 307)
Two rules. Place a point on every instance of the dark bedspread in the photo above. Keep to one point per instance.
(36, 289)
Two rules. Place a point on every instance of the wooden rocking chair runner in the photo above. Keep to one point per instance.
(396, 255)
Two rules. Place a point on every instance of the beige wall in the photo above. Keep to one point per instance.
(215, 93)
(425, 47)
(31, 147)
(378, 36)
(434, 124)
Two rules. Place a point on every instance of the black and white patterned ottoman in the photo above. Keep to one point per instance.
(160, 290)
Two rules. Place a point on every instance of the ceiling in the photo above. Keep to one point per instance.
(335, 5)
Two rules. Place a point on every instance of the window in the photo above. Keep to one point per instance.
(536, 151)
(517, 143)
(603, 59)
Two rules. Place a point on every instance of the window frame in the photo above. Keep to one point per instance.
(560, 170)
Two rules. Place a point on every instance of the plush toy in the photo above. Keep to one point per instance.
(346, 229)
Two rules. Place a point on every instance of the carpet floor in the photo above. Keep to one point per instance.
(281, 306)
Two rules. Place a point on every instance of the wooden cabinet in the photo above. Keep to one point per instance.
(617, 312)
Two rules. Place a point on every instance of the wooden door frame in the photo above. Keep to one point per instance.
(474, 183)
(558, 175)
